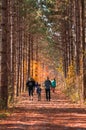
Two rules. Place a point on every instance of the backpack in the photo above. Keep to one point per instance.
(29, 84)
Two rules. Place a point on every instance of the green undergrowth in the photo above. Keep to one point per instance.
(72, 95)
(4, 114)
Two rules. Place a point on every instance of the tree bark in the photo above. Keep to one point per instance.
(4, 68)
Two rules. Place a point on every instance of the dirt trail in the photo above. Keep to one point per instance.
(58, 114)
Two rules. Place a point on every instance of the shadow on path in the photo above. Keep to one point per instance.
(58, 114)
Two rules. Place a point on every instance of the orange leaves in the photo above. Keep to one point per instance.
(71, 77)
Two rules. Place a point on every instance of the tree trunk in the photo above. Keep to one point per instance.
(4, 69)
(84, 46)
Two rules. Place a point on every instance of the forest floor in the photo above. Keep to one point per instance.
(57, 114)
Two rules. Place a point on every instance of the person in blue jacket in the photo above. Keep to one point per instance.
(47, 89)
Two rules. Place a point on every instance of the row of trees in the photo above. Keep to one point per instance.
(69, 18)
(66, 22)
(17, 30)
(74, 41)
(26, 25)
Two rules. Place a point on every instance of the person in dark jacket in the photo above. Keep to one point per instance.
(30, 85)
(47, 89)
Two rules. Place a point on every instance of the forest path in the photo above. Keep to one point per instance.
(58, 114)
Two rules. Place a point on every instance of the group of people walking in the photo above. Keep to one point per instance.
(35, 86)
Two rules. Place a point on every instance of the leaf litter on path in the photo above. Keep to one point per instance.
(57, 114)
